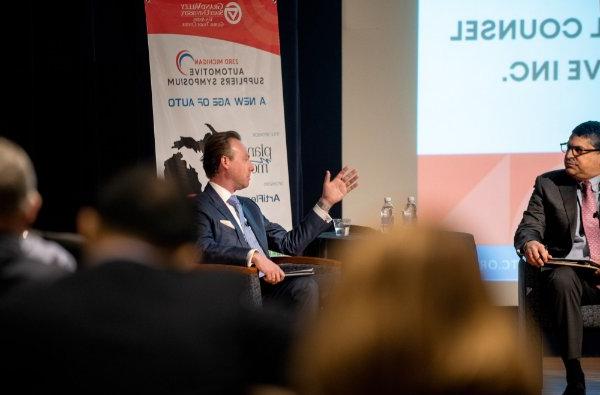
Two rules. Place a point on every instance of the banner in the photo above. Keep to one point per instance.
(215, 66)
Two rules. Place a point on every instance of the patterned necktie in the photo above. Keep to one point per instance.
(591, 224)
(248, 233)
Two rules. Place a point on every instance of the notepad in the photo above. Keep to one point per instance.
(290, 272)
(296, 270)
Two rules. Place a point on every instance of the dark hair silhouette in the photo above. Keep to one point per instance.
(139, 203)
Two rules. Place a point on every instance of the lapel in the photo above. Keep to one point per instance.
(259, 231)
(568, 192)
(219, 204)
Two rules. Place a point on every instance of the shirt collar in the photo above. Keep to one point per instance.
(223, 193)
(595, 183)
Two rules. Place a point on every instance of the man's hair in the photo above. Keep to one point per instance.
(590, 130)
(137, 202)
(215, 146)
(17, 178)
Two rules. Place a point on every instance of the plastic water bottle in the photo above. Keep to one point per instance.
(410, 210)
(387, 215)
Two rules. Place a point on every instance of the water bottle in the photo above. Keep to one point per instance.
(387, 215)
(410, 210)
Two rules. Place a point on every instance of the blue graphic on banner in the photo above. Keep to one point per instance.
(498, 262)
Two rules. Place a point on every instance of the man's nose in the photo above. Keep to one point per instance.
(251, 166)
(569, 154)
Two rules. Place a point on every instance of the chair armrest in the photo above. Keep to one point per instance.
(305, 260)
(530, 291)
(530, 315)
(225, 267)
(251, 293)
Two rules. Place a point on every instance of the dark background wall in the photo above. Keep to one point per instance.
(83, 107)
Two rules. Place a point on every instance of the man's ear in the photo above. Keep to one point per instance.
(32, 208)
(88, 223)
(225, 161)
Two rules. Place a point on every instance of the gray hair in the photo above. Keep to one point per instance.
(17, 178)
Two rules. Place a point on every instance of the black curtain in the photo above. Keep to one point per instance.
(311, 61)
(83, 108)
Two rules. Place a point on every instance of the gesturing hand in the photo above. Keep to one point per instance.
(334, 190)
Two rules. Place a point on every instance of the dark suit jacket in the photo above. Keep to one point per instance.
(124, 327)
(551, 215)
(223, 244)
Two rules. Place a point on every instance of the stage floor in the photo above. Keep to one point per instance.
(554, 375)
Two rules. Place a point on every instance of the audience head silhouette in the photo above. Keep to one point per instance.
(411, 316)
(137, 205)
(19, 198)
(26, 260)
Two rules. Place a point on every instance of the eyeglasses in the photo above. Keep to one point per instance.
(577, 151)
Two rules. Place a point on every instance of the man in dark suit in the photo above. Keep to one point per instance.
(137, 320)
(233, 230)
(562, 221)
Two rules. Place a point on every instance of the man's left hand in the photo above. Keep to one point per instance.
(334, 190)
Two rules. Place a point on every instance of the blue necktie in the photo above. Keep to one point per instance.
(248, 233)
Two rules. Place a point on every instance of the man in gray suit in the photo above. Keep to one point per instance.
(25, 259)
(562, 221)
(233, 230)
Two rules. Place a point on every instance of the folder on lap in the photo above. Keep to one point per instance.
(575, 263)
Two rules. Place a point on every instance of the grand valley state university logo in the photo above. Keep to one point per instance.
(233, 13)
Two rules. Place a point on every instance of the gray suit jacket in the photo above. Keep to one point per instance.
(17, 269)
(223, 244)
(551, 215)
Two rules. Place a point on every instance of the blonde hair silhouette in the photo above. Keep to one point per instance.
(411, 315)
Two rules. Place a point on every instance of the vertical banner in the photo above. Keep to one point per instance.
(215, 66)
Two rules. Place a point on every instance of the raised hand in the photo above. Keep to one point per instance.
(334, 190)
